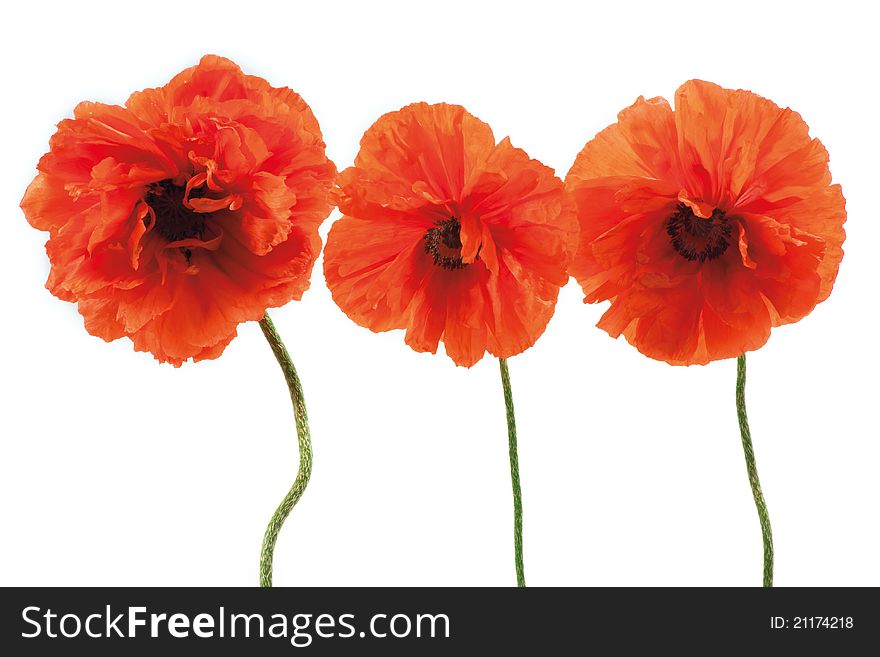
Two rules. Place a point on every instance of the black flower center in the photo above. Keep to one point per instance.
(443, 243)
(695, 238)
(174, 220)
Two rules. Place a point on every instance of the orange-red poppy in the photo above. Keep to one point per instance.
(705, 225)
(449, 235)
(188, 211)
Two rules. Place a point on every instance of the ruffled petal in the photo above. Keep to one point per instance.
(641, 143)
(190, 210)
(375, 270)
(508, 231)
(437, 146)
(746, 164)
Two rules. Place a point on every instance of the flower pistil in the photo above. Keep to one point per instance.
(443, 243)
(696, 238)
(175, 219)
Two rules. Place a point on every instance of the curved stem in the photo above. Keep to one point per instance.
(752, 469)
(514, 475)
(305, 450)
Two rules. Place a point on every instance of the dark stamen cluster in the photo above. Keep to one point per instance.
(695, 238)
(443, 243)
(174, 221)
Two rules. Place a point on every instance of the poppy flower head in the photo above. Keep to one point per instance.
(705, 225)
(450, 236)
(191, 209)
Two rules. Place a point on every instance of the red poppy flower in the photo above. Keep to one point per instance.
(706, 225)
(191, 209)
(449, 235)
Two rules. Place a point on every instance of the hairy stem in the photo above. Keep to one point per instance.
(305, 450)
(514, 475)
(752, 469)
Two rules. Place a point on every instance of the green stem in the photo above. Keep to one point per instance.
(305, 450)
(752, 469)
(514, 475)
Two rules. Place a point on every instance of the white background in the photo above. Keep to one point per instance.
(116, 470)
